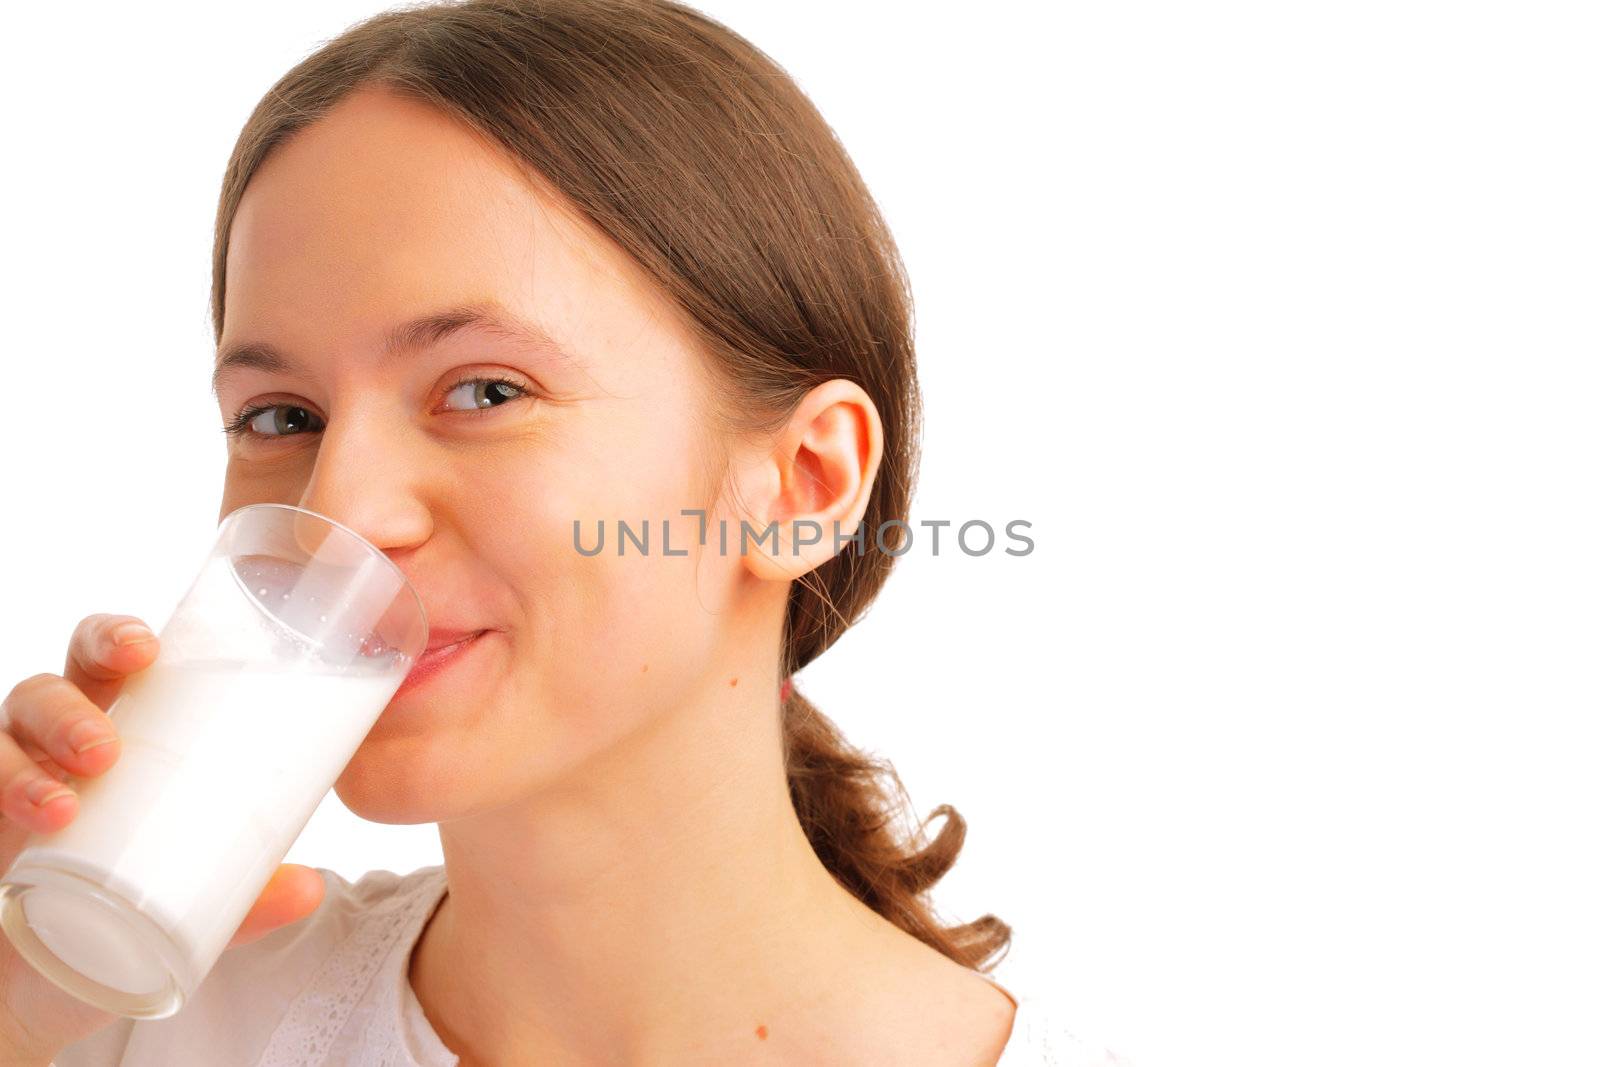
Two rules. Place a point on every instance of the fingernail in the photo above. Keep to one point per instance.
(87, 735)
(43, 790)
(129, 633)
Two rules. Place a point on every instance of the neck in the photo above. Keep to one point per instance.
(661, 903)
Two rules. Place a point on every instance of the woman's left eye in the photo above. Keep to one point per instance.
(487, 392)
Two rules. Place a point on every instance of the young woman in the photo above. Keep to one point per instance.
(488, 278)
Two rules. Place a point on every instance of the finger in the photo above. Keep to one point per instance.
(49, 717)
(293, 892)
(29, 797)
(104, 650)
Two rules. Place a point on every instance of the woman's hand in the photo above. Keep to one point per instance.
(52, 726)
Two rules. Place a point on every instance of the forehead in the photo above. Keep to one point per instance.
(386, 206)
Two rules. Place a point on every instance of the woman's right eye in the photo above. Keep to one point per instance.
(271, 420)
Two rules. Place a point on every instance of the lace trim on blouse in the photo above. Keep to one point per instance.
(314, 1020)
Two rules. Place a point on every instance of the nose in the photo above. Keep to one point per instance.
(368, 479)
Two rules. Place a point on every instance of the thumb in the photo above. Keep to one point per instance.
(293, 892)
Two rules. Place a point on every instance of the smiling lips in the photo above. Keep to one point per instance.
(442, 646)
(440, 638)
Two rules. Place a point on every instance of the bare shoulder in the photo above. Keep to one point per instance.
(948, 1014)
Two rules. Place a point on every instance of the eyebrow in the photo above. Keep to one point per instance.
(429, 329)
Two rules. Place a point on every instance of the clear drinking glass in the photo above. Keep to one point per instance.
(270, 672)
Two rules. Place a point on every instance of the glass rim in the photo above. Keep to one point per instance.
(405, 582)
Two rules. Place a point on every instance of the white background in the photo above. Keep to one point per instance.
(1278, 321)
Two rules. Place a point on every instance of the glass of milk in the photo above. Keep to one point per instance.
(271, 670)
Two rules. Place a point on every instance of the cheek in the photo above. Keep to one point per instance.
(610, 636)
(266, 478)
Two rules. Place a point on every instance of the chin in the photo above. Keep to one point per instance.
(381, 784)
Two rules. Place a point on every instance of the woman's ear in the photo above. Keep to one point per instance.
(805, 497)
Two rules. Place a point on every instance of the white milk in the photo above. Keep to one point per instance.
(222, 766)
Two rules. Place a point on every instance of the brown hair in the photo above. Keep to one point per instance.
(700, 157)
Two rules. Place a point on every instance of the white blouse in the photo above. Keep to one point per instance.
(332, 990)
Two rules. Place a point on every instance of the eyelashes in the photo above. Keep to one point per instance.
(239, 426)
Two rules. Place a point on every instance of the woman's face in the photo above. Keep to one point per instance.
(386, 211)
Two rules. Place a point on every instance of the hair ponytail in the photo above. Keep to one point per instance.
(848, 803)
